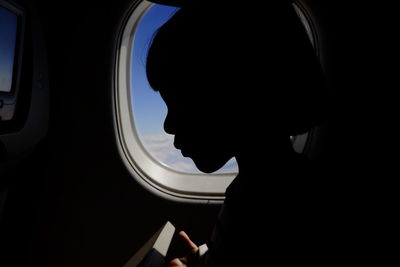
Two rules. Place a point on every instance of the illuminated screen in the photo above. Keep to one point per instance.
(8, 38)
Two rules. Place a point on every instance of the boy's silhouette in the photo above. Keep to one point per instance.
(238, 81)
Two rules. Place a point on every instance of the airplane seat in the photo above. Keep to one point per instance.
(24, 104)
(24, 112)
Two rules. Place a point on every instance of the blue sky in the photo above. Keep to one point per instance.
(8, 33)
(148, 107)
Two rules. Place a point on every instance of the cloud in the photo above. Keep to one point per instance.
(161, 147)
(230, 166)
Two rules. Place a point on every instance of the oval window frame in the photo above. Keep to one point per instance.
(153, 175)
(148, 172)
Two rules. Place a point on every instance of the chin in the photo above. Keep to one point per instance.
(209, 165)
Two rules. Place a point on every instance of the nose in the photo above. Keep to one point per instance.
(169, 125)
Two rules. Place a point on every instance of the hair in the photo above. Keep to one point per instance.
(261, 57)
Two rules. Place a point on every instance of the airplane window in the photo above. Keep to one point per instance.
(8, 33)
(148, 108)
(139, 112)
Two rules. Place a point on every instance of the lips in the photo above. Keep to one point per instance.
(177, 144)
(183, 152)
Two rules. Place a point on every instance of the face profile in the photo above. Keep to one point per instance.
(231, 95)
(200, 132)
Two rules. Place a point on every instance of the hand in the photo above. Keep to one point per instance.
(190, 259)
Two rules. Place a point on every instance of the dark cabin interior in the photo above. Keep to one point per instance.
(69, 200)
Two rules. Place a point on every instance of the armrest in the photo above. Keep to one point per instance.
(153, 252)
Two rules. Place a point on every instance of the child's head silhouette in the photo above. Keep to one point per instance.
(234, 78)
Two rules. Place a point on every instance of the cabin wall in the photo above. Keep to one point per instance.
(72, 202)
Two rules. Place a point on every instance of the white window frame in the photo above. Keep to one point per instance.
(147, 171)
(150, 173)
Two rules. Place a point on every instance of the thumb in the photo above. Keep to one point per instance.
(189, 243)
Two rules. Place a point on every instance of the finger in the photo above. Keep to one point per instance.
(187, 240)
(175, 263)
